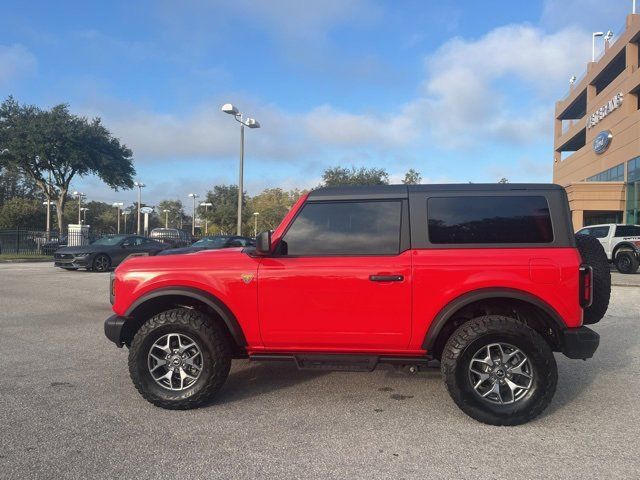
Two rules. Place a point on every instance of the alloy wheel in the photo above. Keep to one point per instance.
(175, 361)
(500, 373)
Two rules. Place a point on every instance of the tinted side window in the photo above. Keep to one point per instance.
(345, 228)
(627, 231)
(497, 219)
(598, 232)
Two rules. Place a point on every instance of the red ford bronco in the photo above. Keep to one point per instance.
(489, 280)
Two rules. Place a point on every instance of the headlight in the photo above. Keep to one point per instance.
(81, 255)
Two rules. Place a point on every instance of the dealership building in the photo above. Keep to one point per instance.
(597, 135)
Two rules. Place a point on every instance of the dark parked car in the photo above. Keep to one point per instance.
(213, 243)
(106, 252)
(172, 237)
(49, 247)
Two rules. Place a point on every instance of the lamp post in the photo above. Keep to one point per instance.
(166, 217)
(140, 186)
(255, 224)
(193, 226)
(48, 204)
(118, 205)
(206, 206)
(244, 122)
(593, 44)
(124, 214)
(84, 214)
(79, 196)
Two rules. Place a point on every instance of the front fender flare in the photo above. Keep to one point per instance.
(200, 295)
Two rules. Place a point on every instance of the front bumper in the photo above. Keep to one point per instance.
(579, 342)
(72, 261)
(113, 329)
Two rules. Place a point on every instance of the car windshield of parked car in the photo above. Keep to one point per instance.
(110, 241)
(211, 242)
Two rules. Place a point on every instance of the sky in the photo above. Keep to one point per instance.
(458, 90)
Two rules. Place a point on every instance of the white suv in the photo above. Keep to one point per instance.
(621, 244)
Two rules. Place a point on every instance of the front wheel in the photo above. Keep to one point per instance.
(101, 263)
(499, 371)
(179, 360)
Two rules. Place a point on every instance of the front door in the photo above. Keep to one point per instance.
(339, 280)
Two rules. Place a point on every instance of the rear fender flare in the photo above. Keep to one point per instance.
(447, 312)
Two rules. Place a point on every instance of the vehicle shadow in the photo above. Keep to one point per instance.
(255, 379)
(575, 376)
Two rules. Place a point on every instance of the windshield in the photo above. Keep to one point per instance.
(211, 242)
(110, 241)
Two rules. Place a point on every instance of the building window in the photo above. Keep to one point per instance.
(614, 174)
(633, 190)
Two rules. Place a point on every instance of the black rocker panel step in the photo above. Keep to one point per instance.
(341, 363)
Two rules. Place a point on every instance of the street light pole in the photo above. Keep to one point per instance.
(206, 206)
(140, 186)
(125, 213)
(79, 195)
(193, 226)
(166, 217)
(255, 224)
(251, 123)
(118, 205)
(593, 44)
(84, 214)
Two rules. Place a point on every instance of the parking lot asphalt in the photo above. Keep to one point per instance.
(69, 410)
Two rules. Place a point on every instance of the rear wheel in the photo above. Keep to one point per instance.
(499, 371)
(179, 360)
(627, 262)
(593, 255)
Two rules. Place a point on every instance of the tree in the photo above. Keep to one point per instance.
(354, 176)
(13, 184)
(272, 204)
(55, 143)
(176, 212)
(22, 213)
(412, 177)
(223, 213)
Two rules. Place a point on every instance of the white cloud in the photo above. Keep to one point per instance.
(15, 61)
(465, 82)
(467, 100)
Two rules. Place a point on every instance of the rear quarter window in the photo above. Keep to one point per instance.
(489, 220)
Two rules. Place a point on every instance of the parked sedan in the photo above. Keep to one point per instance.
(106, 252)
(50, 247)
(213, 243)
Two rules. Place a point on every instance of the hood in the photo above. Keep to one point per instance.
(195, 261)
(76, 250)
(174, 251)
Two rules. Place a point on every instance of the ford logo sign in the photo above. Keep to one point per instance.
(602, 141)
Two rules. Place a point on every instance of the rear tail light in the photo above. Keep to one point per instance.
(636, 243)
(586, 286)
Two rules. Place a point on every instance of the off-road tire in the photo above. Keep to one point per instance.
(481, 331)
(213, 342)
(593, 255)
(627, 262)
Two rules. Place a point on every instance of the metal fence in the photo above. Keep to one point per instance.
(33, 243)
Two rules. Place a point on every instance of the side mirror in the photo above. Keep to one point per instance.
(263, 243)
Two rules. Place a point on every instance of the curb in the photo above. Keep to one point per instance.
(27, 260)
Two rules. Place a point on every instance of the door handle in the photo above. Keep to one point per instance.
(386, 278)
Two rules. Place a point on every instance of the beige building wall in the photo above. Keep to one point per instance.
(623, 123)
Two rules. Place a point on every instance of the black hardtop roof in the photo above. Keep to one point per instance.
(402, 191)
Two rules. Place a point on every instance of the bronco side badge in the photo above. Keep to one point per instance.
(246, 277)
